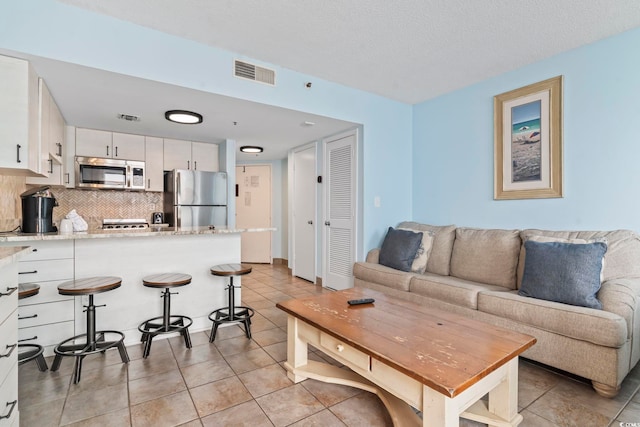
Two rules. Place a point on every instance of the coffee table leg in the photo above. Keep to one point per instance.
(438, 410)
(296, 350)
(503, 400)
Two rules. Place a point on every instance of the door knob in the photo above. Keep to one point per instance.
(327, 223)
(310, 222)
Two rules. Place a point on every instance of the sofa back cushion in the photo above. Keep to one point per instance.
(443, 236)
(486, 256)
(623, 250)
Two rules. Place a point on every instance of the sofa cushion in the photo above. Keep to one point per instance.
(399, 248)
(440, 256)
(386, 276)
(419, 264)
(486, 256)
(563, 272)
(450, 289)
(587, 324)
(623, 250)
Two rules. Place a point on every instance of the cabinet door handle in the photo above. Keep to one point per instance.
(59, 153)
(28, 272)
(107, 150)
(116, 151)
(9, 291)
(149, 183)
(67, 178)
(50, 166)
(188, 164)
(13, 405)
(33, 316)
(18, 153)
(327, 223)
(195, 165)
(10, 348)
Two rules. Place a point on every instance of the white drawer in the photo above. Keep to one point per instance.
(45, 270)
(52, 249)
(42, 314)
(53, 333)
(340, 350)
(48, 293)
(8, 339)
(8, 285)
(8, 395)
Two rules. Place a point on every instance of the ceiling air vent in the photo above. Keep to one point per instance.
(128, 117)
(249, 71)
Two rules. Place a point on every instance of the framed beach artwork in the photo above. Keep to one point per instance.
(528, 142)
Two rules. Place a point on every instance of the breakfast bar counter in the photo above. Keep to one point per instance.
(131, 255)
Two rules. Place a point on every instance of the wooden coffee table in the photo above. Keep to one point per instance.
(438, 362)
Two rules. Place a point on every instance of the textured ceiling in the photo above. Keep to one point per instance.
(409, 50)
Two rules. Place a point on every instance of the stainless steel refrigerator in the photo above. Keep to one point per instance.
(195, 198)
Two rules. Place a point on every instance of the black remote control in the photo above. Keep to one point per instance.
(361, 301)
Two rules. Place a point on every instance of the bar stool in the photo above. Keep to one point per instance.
(29, 352)
(170, 323)
(92, 341)
(232, 313)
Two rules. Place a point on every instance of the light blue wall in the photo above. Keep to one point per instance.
(54, 30)
(453, 146)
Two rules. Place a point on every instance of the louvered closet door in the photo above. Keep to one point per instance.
(339, 226)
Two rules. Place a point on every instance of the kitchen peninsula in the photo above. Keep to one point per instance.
(131, 255)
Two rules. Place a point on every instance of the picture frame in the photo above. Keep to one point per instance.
(528, 142)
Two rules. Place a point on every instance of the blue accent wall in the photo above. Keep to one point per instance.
(55, 30)
(453, 146)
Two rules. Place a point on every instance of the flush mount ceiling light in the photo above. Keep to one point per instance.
(184, 117)
(251, 149)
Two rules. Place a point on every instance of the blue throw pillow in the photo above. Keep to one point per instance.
(563, 272)
(399, 249)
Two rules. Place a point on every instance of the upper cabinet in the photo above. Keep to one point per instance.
(200, 156)
(153, 164)
(99, 143)
(19, 118)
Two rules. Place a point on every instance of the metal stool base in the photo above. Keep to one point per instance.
(83, 349)
(150, 329)
(239, 314)
(34, 353)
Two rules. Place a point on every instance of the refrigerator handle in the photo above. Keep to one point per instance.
(177, 189)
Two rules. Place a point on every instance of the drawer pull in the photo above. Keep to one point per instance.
(340, 347)
(33, 316)
(10, 348)
(9, 291)
(29, 272)
(29, 339)
(13, 405)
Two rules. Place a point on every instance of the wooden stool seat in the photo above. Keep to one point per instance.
(92, 341)
(167, 323)
(231, 313)
(90, 285)
(29, 352)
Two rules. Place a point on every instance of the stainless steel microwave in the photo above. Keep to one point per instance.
(112, 174)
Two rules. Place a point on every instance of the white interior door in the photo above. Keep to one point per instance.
(253, 210)
(304, 214)
(340, 205)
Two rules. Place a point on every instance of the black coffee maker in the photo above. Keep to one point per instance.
(37, 210)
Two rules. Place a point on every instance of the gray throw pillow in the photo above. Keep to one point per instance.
(563, 272)
(399, 249)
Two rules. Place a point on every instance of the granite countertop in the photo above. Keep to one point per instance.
(11, 254)
(104, 234)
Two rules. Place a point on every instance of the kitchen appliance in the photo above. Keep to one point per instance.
(124, 224)
(195, 198)
(37, 210)
(157, 218)
(113, 174)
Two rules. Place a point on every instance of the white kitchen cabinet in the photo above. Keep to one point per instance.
(153, 157)
(179, 154)
(205, 156)
(48, 317)
(100, 143)
(8, 344)
(56, 132)
(69, 154)
(19, 144)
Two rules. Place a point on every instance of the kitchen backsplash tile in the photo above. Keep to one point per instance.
(10, 205)
(95, 205)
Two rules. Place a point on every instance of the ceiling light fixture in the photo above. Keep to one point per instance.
(251, 149)
(184, 117)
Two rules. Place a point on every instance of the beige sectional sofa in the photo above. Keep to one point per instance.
(477, 273)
